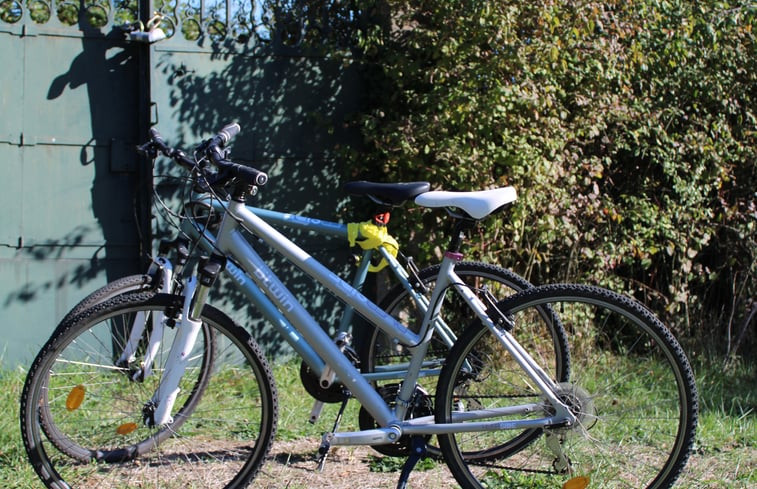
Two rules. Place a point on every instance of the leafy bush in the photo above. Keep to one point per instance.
(628, 128)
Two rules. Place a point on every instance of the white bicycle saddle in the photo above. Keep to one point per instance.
(477, 204)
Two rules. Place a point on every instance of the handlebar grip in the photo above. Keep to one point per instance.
(224, 136)
(156, 138)
(228, 132)
(248, 174)
(213, 147)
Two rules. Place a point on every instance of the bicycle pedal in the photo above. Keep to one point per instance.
(315, 413)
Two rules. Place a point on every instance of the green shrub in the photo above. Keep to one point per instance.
(628, 128)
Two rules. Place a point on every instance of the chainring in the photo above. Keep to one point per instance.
(335, 393)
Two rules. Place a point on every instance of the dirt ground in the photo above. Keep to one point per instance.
(293, 465)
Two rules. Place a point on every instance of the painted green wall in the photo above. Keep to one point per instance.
(77, 98)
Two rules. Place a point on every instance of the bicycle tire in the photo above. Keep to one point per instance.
(130, 283)
(223, 444)
(630, 386)
(500, 282)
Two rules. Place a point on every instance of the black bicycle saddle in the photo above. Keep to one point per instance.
(388, 193)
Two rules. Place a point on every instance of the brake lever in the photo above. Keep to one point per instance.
(147, 149)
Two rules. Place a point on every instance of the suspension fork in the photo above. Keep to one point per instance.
(157, 411)
(164, 272)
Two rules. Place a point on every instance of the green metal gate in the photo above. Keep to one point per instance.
(78, 94)
(73, 196)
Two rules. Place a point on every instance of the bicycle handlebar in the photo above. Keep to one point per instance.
(157, 144)
(226, 134)
(213, 149)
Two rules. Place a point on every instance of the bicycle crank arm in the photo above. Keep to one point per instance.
(378, 436)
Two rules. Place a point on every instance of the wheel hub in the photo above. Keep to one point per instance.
(580, 404)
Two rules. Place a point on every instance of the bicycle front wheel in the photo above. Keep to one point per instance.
(93, 403)
(124, 285)
(630, 388)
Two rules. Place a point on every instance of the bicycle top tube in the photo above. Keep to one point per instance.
(294, 221)
(237, 214)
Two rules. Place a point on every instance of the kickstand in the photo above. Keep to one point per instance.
(323, 451)
(417, 452)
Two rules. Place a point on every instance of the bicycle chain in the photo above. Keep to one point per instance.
(505, 467)
(398, 355)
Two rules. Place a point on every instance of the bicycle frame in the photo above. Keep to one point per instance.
(272, 291)
(272, 314)
(195, 230)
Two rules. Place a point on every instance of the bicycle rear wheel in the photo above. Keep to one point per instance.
(630, 387)
(93, 403)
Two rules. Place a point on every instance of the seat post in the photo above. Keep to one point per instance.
(458, 234)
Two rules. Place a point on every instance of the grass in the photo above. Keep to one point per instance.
(725, 457)
(295, 405)
(727, 435)
(15, 472)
